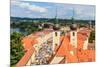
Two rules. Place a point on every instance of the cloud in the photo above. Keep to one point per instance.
(48, 10)
(81, 11)
(85, 12)
(28, 6)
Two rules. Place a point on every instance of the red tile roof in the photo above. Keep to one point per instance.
(28, 43)
(78, 56)
(30, 40)
(23, 61)
(64, 49)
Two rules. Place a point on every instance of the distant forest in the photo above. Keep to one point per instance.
(32, 24)
(19, 19)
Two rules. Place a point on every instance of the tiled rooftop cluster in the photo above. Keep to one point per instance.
(72, 54)
(64, 53)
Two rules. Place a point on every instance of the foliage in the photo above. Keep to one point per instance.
(16, 48)
(92, 36)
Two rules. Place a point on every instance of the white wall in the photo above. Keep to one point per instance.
(56, 39)
(73, 39)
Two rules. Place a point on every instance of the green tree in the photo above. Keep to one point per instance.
(16, 48)
(92, 36)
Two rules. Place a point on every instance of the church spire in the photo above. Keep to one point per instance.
(73, 14)
(56, 20)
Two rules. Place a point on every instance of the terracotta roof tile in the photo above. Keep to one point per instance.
(28, 42)
(78, 56)
(23, 61)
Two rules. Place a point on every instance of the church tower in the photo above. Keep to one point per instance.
(73, 32)
(56, 34)
(56, 39)
(73, 35)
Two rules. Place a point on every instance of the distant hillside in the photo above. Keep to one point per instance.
(19, 19)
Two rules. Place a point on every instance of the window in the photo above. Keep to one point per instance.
(55, 44)
(73, 33)
(55, 33)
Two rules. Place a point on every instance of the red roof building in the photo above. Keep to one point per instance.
(65, 52)
(72, 54)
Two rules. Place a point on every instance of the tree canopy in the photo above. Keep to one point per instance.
(92, 36)
(16, 49)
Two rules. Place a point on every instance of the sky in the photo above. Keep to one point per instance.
(33, 9)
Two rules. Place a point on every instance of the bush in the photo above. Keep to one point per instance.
(16, 48)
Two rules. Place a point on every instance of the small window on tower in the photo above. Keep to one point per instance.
(73, 33)
(55, 44)
(55, 33)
